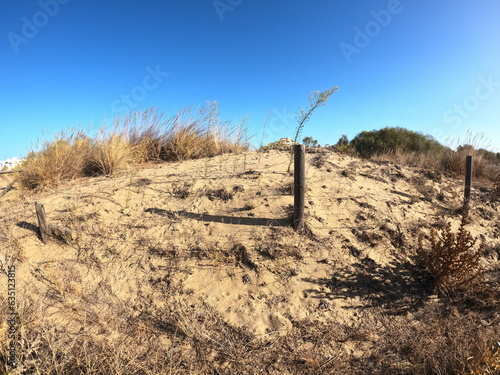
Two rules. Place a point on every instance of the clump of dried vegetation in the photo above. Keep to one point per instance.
(452, 259)
(136, 138)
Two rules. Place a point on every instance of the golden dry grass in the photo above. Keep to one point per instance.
(134, 139)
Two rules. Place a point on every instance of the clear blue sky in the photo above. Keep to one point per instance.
(429, 66)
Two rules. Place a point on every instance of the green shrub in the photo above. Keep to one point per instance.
(343, 146)
(392, 140)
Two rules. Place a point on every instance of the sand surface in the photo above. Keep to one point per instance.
(217, 232)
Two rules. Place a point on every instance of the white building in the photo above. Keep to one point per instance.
(10, 163)
(287, 141)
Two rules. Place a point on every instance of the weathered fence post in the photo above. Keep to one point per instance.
(299, 188)
(468, 182)
(50, 230)
(42, 222)
(8, 172)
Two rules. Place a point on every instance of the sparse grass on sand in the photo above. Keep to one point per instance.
(189, 267)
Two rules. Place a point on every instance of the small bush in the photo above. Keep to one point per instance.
(319, 160)
(345, 149)
(452, 260)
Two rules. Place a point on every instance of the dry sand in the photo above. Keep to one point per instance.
(217, 231)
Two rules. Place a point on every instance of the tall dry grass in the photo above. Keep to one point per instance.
(454, 161)
(65, 157)
(451, 160)
(109, 155)
(146, 132)
(138, 137)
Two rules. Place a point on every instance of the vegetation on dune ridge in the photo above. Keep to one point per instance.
(136, 138)
(419, 150)
(391, 140)
(151, 136)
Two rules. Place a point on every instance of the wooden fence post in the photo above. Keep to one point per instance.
(468, 182)
(8, 172)
(47, 230)
(299, 188)
(42, 222)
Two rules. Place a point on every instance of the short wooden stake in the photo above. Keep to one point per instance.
(468, 182)
(42, 221)
(299, 188)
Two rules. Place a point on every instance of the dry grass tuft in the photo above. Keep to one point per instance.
(450, 160)
(64, 158)
(440, 341)
(109, 155)
(454, 161)
(146, 131)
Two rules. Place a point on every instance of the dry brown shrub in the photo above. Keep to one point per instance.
(319, 160)
(452, 260)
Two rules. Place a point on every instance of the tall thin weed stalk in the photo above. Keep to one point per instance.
(316, 100)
